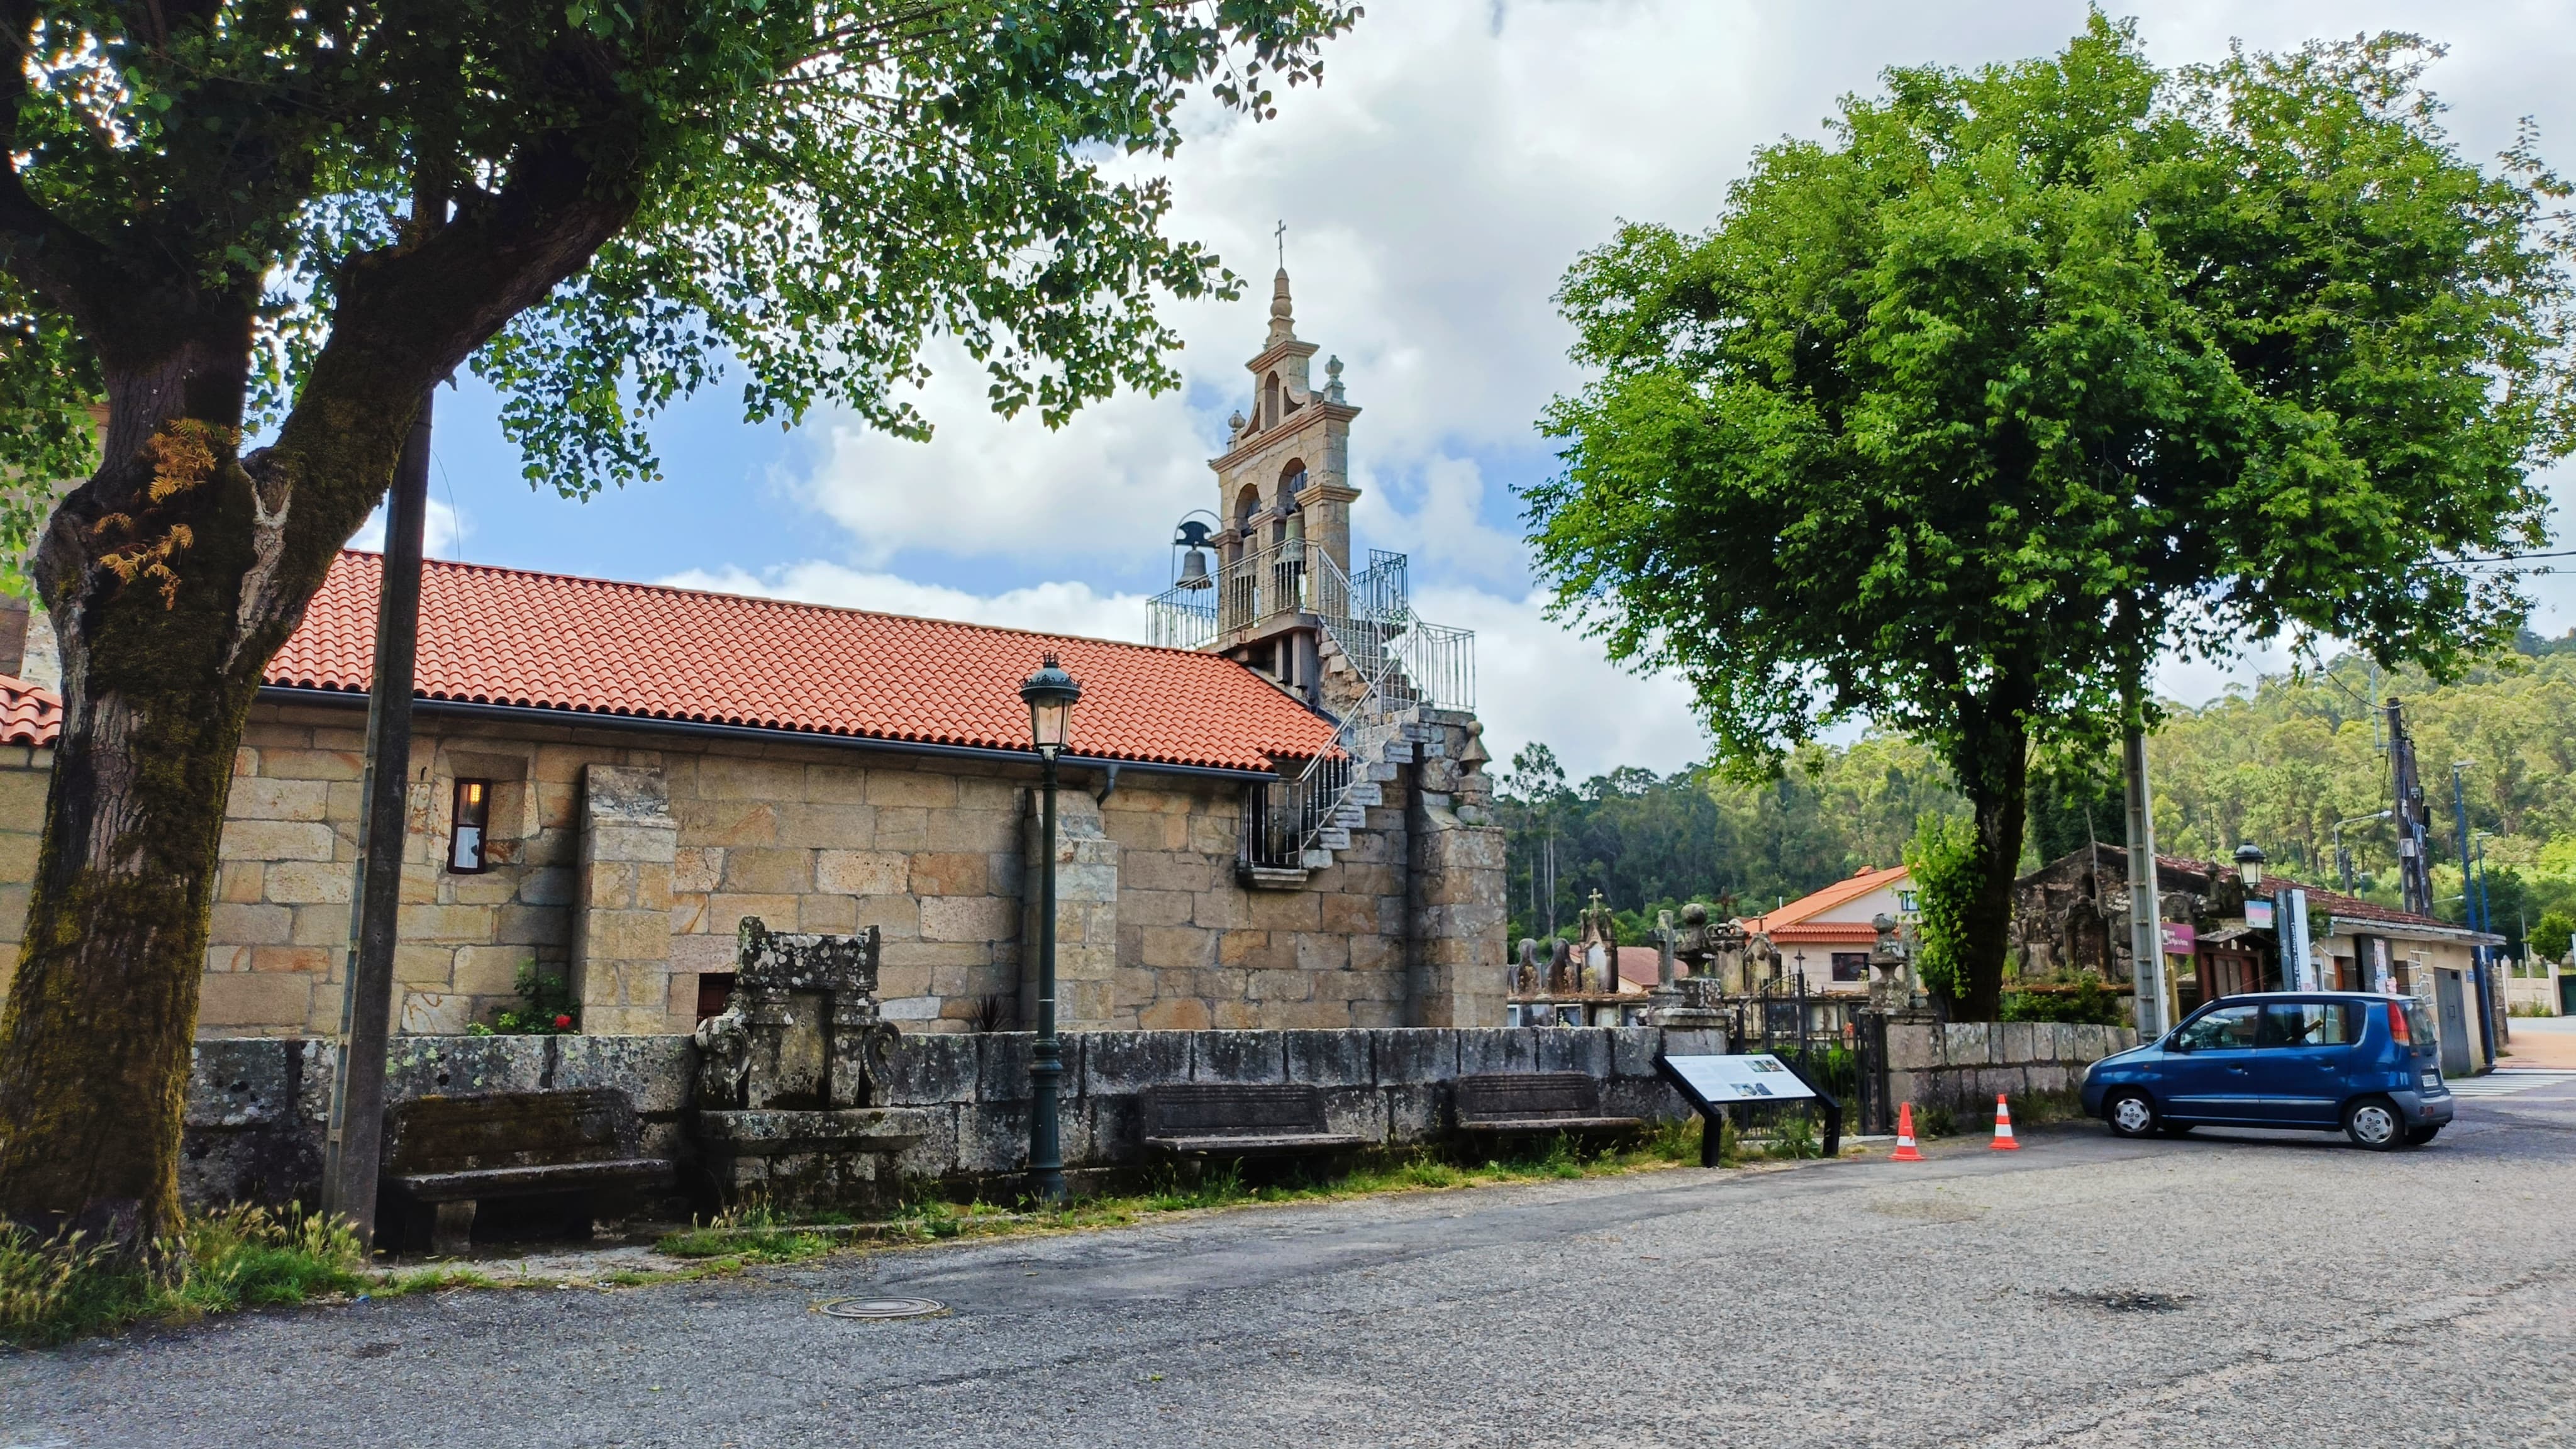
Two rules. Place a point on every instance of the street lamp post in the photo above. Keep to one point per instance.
(1050, 694)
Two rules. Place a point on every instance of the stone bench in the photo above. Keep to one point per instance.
(450, 1154)
(1213, 1119)
(1505, 1103)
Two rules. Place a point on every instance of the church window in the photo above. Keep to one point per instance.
(473, 818)
(1270, 401)
(1292, 481)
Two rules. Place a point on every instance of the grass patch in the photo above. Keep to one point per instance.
(57, 1290)
(755, 1233)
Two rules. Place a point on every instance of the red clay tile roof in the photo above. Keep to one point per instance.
(507, 636)
(29, 714)
(1831, 933)
(1816, 902)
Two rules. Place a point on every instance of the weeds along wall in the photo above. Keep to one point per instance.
(256, 1105)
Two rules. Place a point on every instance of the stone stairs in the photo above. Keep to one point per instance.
(1387, 732)
(1379, 747)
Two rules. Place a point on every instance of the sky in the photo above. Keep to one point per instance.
(1458, 157)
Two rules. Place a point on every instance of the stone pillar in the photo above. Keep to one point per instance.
(621, 950)
(1458, 894)
(1086, 912)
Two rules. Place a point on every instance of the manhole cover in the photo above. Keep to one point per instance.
(883, 1308)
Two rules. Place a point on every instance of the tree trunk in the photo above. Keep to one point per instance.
(173, 575)
(171, 581)
(1992, 761)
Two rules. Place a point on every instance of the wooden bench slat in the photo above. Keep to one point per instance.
(1244, 1143)
(1532, 1102)
(1240, 1119)
(518, 1181)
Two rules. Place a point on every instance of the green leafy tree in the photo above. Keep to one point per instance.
(2551, 934)
(1649, 843)
(289, 218)
(1956, 420)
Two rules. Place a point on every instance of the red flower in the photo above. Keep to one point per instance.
(563, 1020)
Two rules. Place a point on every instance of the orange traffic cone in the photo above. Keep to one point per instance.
(2003, 1126)
(1905, 1136)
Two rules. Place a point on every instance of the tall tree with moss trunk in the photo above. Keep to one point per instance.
(1956, 419)
(287, 219)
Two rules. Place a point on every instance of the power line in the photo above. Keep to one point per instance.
(2506, 558)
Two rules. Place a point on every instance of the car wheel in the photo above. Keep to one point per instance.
(2131, 1115)
(2373, 1122)
(2418, 1136)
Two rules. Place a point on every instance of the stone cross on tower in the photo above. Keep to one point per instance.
(1284, 495)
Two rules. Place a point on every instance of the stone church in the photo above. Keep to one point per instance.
(1274, 816)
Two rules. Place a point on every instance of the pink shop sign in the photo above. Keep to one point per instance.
(2180, 938)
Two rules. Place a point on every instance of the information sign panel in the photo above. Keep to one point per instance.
(1723, 1081)
(1715, 1083)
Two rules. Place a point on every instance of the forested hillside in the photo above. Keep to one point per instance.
(2278, 765)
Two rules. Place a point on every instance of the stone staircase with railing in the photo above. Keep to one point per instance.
(1382, 730)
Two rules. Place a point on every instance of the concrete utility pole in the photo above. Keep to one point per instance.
(2146, 925)
(354, 1142)
(2473, 903)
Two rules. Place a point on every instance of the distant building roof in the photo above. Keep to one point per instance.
(2183, 872)
(590, 646)
(1793, 921)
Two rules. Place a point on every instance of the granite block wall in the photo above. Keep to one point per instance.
(1962, 1065)
(257, 1105)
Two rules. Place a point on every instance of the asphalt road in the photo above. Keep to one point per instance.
(2211, 1291)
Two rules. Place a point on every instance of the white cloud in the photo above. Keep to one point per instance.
(442, 532)
(1055, 608)
(1459, 156)
(1437, 516)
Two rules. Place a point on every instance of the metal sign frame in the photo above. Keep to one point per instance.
(1712, 1134)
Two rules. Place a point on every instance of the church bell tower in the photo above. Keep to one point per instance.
(1284, 495)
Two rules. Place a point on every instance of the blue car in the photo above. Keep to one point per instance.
(2324, 1061)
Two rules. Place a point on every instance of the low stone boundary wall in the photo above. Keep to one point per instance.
(257, 1105)
(1962, 1065)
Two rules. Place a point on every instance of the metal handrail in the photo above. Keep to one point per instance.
(1401, 663)
(1300, 810)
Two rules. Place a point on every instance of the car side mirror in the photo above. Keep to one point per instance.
(2177, 1043)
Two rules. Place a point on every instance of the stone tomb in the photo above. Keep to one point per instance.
(786, 1077)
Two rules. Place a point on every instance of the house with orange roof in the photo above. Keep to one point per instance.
(1826, 935)
(1274, 817)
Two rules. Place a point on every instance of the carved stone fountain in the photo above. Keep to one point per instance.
(785, 1089)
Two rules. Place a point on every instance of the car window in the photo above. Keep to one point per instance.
(2228, 1026)
(2419, 1024)
(2310, 1024)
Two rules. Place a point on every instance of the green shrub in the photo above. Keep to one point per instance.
(1793, 1138)
(546, 1007)
(1942, 857)
(2089, 1003)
